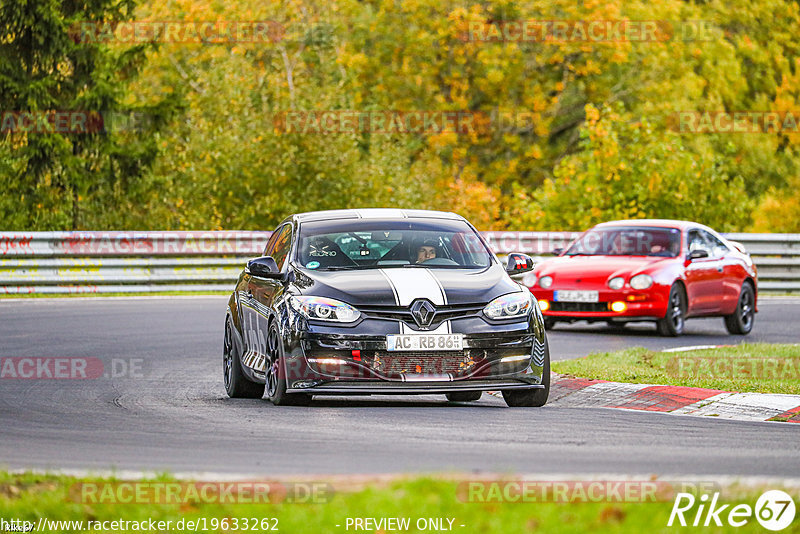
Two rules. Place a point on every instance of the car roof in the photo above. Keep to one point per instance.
(658, 223)
(374, 213)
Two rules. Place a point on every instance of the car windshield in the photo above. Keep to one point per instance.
(627, 241)
(378, 244)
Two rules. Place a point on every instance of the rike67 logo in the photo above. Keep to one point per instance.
(774, 510)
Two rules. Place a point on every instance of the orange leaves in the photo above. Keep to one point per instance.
(592, 114)
(467, 195)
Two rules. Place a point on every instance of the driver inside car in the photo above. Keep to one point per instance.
(426, 251)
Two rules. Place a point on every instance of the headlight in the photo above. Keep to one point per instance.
(616, 283)
(545, 282)
(509, 306)
(324, 309)
(529, 279)
(641, 281)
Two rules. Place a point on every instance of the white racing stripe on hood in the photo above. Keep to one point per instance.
(415, 283)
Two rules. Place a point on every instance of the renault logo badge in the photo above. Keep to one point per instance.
(423, 312)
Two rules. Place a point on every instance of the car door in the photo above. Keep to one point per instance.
(259, 296)
(703, 275)
(730, 277)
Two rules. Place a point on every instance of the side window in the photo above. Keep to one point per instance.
(282, 245)
(697, 242)
(271, 242)
(717, 248)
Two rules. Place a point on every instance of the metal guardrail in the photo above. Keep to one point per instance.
(107, 262)
(102, 262)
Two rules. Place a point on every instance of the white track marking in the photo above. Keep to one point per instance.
(692, 347)
(742, 406)
(606, 393)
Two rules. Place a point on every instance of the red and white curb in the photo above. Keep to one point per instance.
(676, 400)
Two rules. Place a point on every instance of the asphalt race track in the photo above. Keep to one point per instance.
(777, 321)
(167, 410)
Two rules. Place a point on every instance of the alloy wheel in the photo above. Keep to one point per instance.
(746, 309)
(677, 310)
(272, 370)
(227, 355)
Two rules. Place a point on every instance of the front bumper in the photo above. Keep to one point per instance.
(631, 305)
(412, 388)
(330, 360)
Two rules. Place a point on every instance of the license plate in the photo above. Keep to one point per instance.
(409, 342)
(576, 296)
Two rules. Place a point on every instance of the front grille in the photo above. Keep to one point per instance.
(396, 363)
(579, 306)
(403, 313)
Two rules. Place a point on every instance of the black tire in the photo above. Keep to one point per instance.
(516, 398)
(275, 373)
(237, 385)
(675, 317)
(740, 322)
(549, 324)
(463, 396)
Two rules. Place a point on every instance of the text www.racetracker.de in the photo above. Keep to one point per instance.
(200, 524)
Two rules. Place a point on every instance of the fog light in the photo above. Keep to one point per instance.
(544, 305)
(305, 384)
(508, 359)
(619, 306)
(327, 361)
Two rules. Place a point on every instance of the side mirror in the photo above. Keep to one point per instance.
(519, 263)
(557, 251)
(697, 254)
(264, 267)
(738, 246)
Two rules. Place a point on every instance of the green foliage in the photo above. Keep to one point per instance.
(536, 162)
(626, 169)
(63, 179)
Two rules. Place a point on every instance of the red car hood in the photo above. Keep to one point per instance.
(597, 269)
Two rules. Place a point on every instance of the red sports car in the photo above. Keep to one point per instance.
(648, 270)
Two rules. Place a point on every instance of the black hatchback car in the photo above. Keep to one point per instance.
(383, 301)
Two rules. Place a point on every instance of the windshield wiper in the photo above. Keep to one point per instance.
(346, 267)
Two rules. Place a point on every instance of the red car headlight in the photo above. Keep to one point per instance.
(616, 283)
(641, 281)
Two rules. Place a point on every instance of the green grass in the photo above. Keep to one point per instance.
(31, 496)
(757, 367)
(100, 295)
